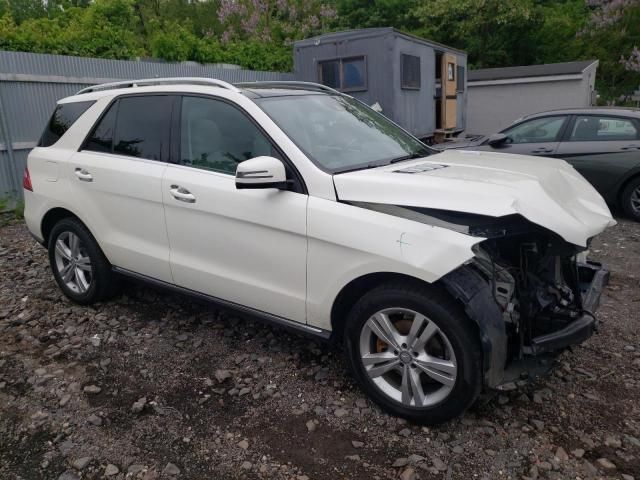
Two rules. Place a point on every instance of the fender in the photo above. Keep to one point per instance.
(474, 292)
(346, 242)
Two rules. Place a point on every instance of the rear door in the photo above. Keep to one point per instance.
(603, 148)
(536, 136)
(116, 180)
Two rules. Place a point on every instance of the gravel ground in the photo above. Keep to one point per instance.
(152, 385)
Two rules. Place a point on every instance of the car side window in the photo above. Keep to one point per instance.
(537, 130)
(143, 127)
(63, 117)
(137, 126)
(215, 135)
(590, 128)
(101, 138)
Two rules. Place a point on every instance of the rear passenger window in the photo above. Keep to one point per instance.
(591, 128)
(143, 127)
(63, 117)
(135, 126)
(101, 139)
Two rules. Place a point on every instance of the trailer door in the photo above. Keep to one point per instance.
(449, 100)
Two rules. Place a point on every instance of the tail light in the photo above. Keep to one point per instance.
(26, 180)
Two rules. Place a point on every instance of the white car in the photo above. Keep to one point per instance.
(440, 272)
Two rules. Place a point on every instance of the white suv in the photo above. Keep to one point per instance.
(440, 272)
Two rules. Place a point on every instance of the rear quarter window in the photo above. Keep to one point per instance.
(63, 117)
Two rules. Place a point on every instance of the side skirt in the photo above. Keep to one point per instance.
(285, 323)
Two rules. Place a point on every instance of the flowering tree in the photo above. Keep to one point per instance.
(273, 20)
(612, 35)
(617, 14)
(608, 12)
(632, 63)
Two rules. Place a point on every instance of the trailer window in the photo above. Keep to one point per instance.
(460, 79)
(451, 72)
(330, 73)
(410, 71)
(345, 74)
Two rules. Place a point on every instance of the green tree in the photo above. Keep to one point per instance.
(174, 43)
(400, 14)
(493, 32)
(556, 38)
(107, 29)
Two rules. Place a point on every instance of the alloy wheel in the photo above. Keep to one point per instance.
(408, 357)
(73, 262)
(635, 200)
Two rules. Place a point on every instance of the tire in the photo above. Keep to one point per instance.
(88, 281)
(453, 345)
(630, 199)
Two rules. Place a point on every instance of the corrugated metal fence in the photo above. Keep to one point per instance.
(30, 85)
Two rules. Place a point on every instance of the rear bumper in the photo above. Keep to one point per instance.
(593, 278)
(34, 208)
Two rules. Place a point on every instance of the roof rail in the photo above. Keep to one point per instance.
(289, 84)
(161, 81)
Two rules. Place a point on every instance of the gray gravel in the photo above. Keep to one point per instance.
(153, 385)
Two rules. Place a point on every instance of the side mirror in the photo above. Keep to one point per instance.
(261, 172)
(497, 139)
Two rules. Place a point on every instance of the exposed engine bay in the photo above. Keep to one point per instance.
(545, 289)
(535, 279)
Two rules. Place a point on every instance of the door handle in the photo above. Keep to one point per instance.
(631, 147)
(542, 150)
(83, 175)
(182, 194)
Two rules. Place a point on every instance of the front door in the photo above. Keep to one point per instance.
(603, 149)
(537, 136)
(244, 246)
(116, 183)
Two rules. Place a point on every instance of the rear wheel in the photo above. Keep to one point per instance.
(631, 199)
(414, 352)
(78, 265)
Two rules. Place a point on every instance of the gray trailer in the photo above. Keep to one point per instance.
(419, 84)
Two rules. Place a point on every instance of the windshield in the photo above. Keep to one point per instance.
(339, 133)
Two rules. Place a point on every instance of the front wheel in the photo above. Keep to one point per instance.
(414, 352)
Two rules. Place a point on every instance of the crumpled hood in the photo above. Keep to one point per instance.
(547, 192)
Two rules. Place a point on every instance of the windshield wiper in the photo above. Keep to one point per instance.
(411, 156)
(360, 167)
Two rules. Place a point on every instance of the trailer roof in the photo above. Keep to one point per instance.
(370, 33)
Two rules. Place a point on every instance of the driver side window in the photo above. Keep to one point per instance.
(538, 130)
(217, 136)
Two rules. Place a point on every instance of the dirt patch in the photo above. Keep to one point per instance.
(226, 397)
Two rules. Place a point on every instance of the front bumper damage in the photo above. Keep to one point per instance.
(501, 367)
(593, 278)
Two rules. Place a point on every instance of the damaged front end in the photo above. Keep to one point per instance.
(532, 294)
